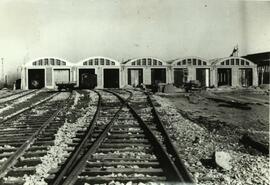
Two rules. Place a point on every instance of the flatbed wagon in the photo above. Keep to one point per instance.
(68, 86)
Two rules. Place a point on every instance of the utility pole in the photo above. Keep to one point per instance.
(2, 76)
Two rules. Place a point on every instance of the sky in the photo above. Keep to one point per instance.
(124, 29)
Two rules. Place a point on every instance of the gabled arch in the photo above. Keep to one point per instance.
(98, 61)
(191, 61)
(233, 61)
(145, 61)
(48, 61)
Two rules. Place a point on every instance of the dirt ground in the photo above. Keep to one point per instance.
(203, 123)
(238, 111)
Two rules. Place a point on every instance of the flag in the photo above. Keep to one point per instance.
(235, 51)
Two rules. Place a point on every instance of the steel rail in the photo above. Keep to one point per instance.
(172, 172)
(169, 144)
(13, 158)
(73, 168)
(8, 95)
(18, 96)
(29, 108)
(71, 161)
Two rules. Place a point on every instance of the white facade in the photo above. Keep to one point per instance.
(146, 70)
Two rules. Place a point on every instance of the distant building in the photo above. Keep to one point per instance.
(263, 61)
(234, 71)
(105, 72)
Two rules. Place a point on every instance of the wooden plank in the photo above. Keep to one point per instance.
(101, 171)
(124, 163)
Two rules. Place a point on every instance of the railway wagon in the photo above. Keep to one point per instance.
(45, 72)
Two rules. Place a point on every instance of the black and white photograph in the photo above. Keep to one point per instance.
(134, 92)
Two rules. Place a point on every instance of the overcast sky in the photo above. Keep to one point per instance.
(123, 29)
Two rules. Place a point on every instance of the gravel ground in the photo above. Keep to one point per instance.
(196, 146)
(64, 136)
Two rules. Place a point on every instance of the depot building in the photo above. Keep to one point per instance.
(105, 72)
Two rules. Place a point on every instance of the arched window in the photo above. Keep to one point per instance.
(149, 61)
(40, 62)
(101, 61)
(184, 62)
(96, 61)
(46, 62)
(194, 61)
(113, 63)
(237, 62)
(52, 61)
(58, 62)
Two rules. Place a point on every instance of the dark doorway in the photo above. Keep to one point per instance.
(245, 77)
(180, 76)
(111, 78)
(158, 76)
(87, 78)
(203, 76)
(224, 76)
(36, 78)
(135, 77)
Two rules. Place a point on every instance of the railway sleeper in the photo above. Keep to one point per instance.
(120, 145)
(107, 150)
(128, 141)
(12, 139)
(28, 131)
(101, 180)
(106, 171)
(20, 172)
(28, 162)
(130, 136)
(12, 181)
(121, 159)
(126, 163)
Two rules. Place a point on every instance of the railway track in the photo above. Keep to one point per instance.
(12, 97)
(44, 140)
(21, 130)
(24, 103)
(123, 142)
(7, 94)
(130, 147)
